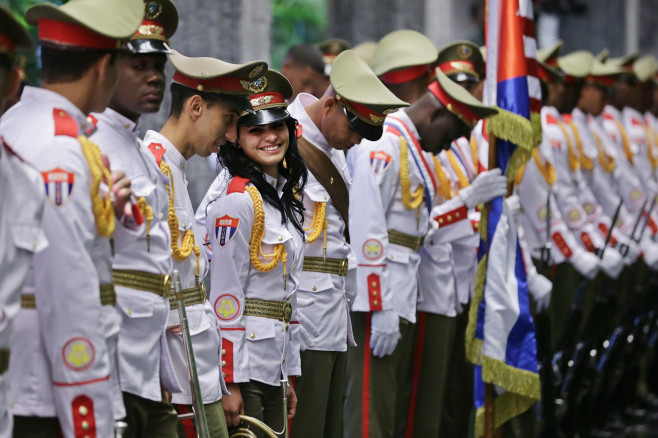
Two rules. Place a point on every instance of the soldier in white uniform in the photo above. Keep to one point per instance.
(198, 123)
(390, 206)
(351, 109)
(61, 374)
(144, 252)
(257, 238)
(22, 194)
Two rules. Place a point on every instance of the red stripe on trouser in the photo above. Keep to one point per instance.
(188, 423)
(417, 365)
(366, 380)
(293, 384)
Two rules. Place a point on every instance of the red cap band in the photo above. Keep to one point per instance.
(364, 112)
(150, 29)
(404, 74)
(603, 81)
(455, 107)
(222, 84)
(461, 66)
(74, 35)
(267, 100)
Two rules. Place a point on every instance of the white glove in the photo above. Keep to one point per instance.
(385, 332)
(513, 205)
(586, 263)
(350, 287)
(612, 262)
(486, 186)
(649, 253)
(632, 253)
(540, 288)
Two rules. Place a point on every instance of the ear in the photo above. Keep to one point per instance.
(195, 107)
(14, 82)
(102, 66)
(329, 105)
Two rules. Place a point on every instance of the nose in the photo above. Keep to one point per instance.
(356, 139)
(232, 133)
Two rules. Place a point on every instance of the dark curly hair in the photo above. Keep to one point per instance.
(290, 204)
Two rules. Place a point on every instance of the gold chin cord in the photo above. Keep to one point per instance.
(244, 430)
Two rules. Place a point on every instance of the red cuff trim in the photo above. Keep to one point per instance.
(604, 229)
(227, 360)
(562, 245)
(374, 292)
(84, 422)
(453, 216)
(587, 241)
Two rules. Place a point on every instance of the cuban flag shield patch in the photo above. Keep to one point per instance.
(59, 185)
(379, 161)
(225, 228)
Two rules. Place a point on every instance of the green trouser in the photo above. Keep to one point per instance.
(148, 418)
(371, 383)
(265, 403)
(319, 393)
(36, 427)
(215, 419)
(457, 416)
(428, 379)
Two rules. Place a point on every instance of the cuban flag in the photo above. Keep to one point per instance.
(501, 338)
(225, 228)
(59, 185)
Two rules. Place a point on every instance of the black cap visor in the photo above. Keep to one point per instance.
(365, 130)
(463, 77)
(264, 117)
(138, 47)
(242, 103)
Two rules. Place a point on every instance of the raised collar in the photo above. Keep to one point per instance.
(277, 183)
(402, 116)
(117, 121)
(309, 130)
(172, 155)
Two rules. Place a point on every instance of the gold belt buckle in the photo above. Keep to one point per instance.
(166, 287)
(286, 312)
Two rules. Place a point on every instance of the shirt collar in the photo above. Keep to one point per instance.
(309, 130)
(51, 98)
(277, 183)
(404, 118)
(172, 154)
(118, 121)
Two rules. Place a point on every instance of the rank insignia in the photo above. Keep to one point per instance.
(372, 249)
(379, 161)
(636, 194)
(227, 307)
(573, 215)
(225, 228)
(59, 185)
(78, 354)
(589, 207)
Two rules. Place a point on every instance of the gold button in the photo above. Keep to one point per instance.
(129, 312)
(62, 114)
(374, 284)
(280, 238)
(331, 180)
(223, 363)
(252, 336)
(224, 374)
(449, 217)
(374, 293)
(85, 425)
(157, 148)
(457, 215)
(83, 410)
(392, 256)
(223, 351)
(314, 288)
(375, 302)
(199, 87)
(440, 220)
(155, 178)
(283, 361)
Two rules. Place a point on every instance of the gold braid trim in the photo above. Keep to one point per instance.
(188, 245)
(319, 223)
(102, 208)
(473, 344)
(463, 181)
(652, 142)
(257, 233)
(147, 212)
(474, 151)
(410, 200)
(444, 183)
(546, 169)
(625, 141)
(535, 122)
(512, 127)
(585, 161)
(574, 163)
(605, 160)
(506, 406)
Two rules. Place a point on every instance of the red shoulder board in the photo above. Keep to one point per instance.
(64, 123)
(93, 121)
(299, 131)
(608, 116)
(636, 122)
(158, 152)
(551, 120)
(567, 117)
(237, 185)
